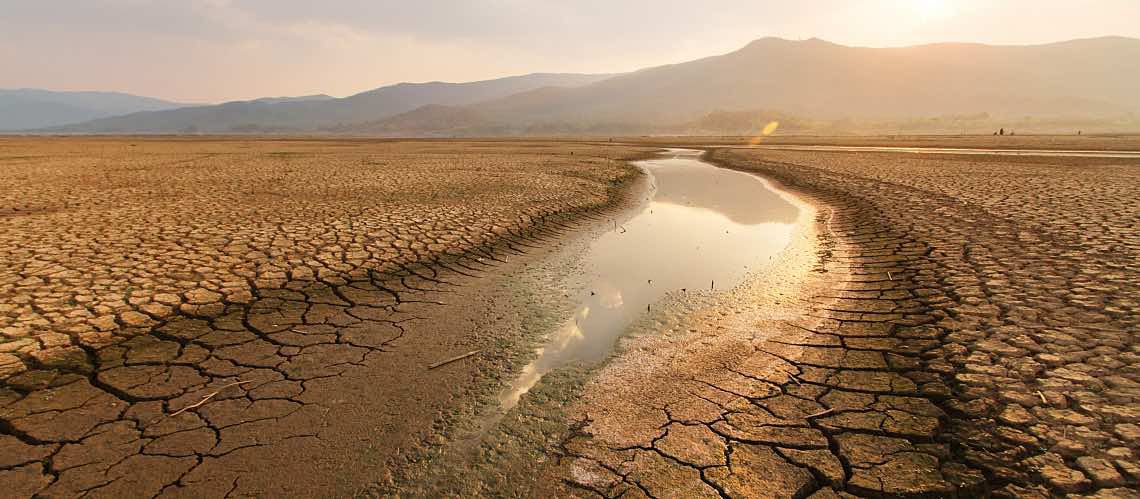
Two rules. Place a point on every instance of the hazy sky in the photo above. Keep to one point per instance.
(215, 50)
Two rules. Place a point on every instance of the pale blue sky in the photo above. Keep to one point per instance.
(214, 50)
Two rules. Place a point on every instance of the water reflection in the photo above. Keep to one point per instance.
(702, 229)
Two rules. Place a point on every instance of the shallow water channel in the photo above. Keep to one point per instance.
(703, 228)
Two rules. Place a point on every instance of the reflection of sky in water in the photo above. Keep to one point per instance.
(704, 225)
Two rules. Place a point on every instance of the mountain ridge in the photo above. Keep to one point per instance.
(24, 108)
(811, 80)
(823, 80)
(308, 115)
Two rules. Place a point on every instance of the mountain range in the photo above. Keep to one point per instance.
(27, 108)
(802, 83)
(310, 114)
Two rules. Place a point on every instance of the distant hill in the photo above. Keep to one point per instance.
(272, 115)
(431, 119)
(824, 81)
(27, 108)
(808, 86)
(303, 98)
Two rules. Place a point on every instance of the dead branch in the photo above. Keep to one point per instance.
(821, 413)
(210, 396)
(453, 359)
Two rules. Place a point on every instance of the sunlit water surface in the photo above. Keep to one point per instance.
(704, 227)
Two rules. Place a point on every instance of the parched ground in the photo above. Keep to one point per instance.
(209, 316)
(1094, 142)
(972, 330)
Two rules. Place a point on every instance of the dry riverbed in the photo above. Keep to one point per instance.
(205, 317)
(943, 325)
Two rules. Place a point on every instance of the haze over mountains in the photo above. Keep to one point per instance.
(822, 80)
(26, 108)
(810, 84)
(314, 114)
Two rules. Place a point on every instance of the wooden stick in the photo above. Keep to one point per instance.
(821, 413)
(453, 359)
(210, 396)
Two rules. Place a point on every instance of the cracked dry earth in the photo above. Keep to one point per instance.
(209, 317)
(971, 330)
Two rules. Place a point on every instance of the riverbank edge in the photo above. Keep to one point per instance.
(844, 208)
(525, 454)
(411, 469)
(842, 402)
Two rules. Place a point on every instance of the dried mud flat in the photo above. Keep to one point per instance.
(209, 317)
(970, 330)
(942, 326)
(1093, 142)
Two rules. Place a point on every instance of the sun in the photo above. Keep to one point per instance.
(932, 10)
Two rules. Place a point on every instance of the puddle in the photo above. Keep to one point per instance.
(953, 150)
(703, 228)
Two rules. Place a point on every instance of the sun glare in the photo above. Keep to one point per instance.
(932, 10)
